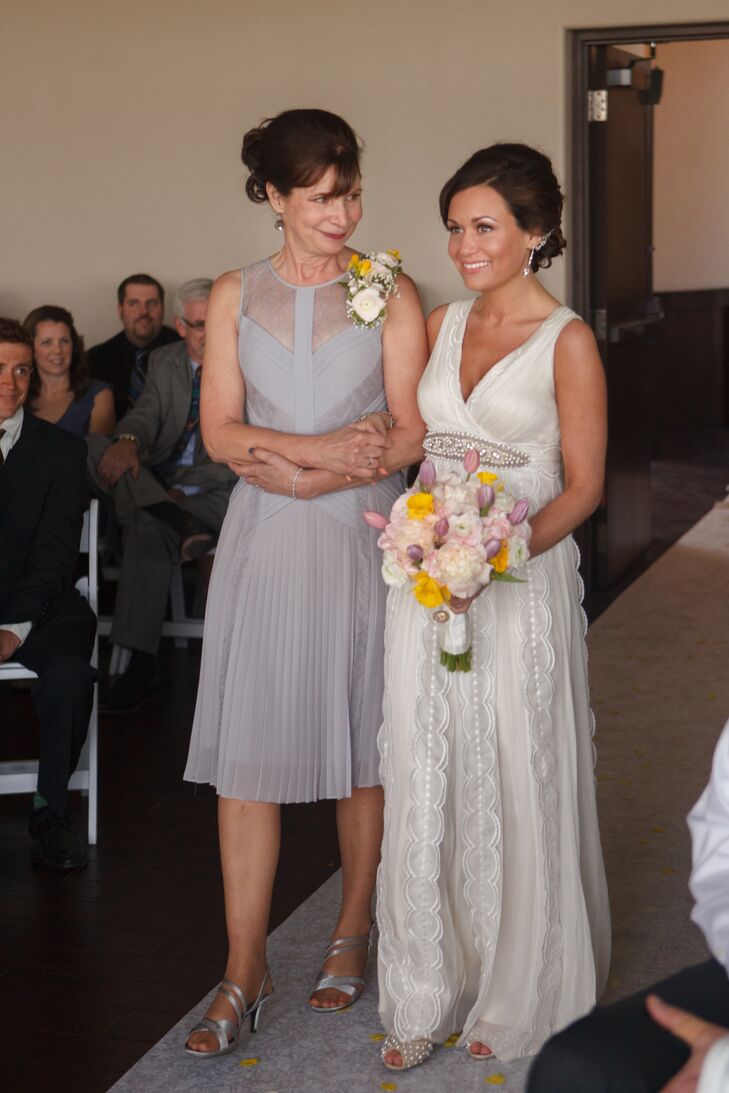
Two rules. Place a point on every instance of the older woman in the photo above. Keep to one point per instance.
(60, 389)
(317, 414)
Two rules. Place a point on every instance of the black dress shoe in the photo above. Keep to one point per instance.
(130, 691)
(60, 844)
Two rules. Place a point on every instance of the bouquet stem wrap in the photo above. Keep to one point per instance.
(454, 638)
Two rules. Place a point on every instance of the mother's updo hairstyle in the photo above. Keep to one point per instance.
(525, 179)
(296, 148)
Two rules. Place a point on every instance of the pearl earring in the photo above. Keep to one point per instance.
(278, 223)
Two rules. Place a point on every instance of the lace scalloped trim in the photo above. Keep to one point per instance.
(482, 857)
(413, 972)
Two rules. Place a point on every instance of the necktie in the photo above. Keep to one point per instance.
(138, 376)
(2, 457)
(193, 416)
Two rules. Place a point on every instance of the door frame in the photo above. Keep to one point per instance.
(580, 41)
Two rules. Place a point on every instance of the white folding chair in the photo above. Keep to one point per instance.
(22, 776)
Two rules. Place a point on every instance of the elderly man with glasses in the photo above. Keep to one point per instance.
(169, 498)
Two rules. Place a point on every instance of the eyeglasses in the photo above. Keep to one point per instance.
(20, 371)
(199, 324)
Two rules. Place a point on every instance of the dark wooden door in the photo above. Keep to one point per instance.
(623, 307)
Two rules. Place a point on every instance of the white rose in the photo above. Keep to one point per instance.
(387, 260)
(392, 572)
(368, 304)
(503, 502)
(378, 267)
(518, 553)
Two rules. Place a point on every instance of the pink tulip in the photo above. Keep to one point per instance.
(441, 528)
(426, 474)
(486, 496)
(471, 460)
(415, 553)
(376, 520)
(519, 512)
(492, 548)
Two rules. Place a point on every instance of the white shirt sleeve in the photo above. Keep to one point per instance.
(709, 825)
(20, 629)
(715, 1071)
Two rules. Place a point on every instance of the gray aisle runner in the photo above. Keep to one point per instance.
(297, 1051)
(660, 689)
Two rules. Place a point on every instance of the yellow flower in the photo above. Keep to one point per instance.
(364, 267)
(353, 262)
(428, 592)
(248, 1062)
(420, 505)
(501, 560)
(495, 1079)
(395, 254)
(492, 480)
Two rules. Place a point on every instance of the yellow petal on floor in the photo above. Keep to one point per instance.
(658, 830)
(626, 781)
(452, 1040)
(647, 766)
(249, 1062)
(644, 842)
(387, 1085)
(616, 982)
(667, 871)
(377, 1036)
(639, 752)
(495, 1079)
(604, 777)
(711, 696)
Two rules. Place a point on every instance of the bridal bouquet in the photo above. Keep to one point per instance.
(370, 280)
(450, 537)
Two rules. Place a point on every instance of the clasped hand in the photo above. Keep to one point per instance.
(116, 461)
(357, 450)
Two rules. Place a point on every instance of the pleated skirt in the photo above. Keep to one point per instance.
(290, 695)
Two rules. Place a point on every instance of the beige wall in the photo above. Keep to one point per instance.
(121, 123)
(691, 188)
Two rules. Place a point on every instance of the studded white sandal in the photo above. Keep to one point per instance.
(412, 1052)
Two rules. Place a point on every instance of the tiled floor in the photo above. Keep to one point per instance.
(97, 965)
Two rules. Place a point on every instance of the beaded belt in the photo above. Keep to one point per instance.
(452, 445)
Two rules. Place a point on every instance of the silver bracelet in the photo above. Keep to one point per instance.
(297, 472)
(391, 424)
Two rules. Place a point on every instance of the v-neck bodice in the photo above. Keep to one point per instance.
(513, 403)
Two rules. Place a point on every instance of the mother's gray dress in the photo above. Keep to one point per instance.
(290, 695)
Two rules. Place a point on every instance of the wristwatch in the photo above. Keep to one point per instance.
(125, 436)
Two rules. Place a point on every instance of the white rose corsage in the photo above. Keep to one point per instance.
(370, 281)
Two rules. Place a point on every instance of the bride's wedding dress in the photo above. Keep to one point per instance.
(492, 903)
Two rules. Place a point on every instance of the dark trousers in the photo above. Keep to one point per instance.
(59, 651)
(620, 1049)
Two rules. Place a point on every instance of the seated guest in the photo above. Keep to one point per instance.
(45, 624)
(169, 498)
(122, 360)
(662, 1038)
(60, 390)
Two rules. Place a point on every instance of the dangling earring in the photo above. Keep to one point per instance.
(527, 268)
(278, 223)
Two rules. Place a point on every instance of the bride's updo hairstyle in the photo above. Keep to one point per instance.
(525, 179)
(296, 148)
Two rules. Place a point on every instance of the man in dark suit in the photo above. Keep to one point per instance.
(45, 624)
(169, 497)
(122, 360)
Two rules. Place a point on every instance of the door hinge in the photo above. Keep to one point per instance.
(599, 323)
(597, 105)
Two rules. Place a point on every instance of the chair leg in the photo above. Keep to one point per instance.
(177, 603)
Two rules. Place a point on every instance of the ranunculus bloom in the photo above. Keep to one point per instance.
(420, 505)
(368, 304)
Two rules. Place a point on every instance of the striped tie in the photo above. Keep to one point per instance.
(139, 375)
(2, 457)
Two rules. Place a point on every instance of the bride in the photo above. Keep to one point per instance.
(492, 902)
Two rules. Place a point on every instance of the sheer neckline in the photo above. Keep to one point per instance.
(290, 284)
(519, 348)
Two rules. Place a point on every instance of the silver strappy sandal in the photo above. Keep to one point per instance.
(353, 985)
(412, 1052)
(228, 1032)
